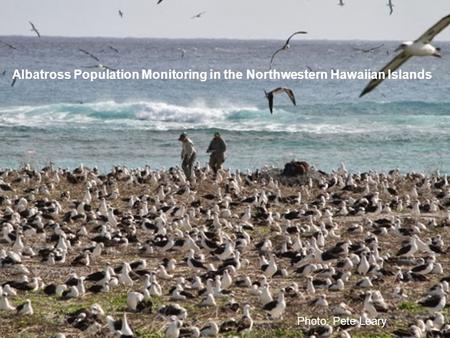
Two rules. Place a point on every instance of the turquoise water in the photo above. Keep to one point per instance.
(403, 124)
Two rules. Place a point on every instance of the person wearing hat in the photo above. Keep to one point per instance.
(188, 155)
(217, 149)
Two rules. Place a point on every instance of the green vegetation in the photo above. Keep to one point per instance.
(277, 332)
(372, 335)
(147, 333)
(411, 307)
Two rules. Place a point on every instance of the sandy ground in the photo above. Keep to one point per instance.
(51, 313)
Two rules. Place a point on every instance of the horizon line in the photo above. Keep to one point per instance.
(199, 38)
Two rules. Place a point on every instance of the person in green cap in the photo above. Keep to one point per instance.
(217, 149)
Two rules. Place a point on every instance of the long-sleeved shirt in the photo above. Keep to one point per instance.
(217, 145)
(187, 149)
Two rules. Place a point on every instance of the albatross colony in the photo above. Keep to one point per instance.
(145, 253)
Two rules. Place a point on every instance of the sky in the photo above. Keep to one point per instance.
(238, 19)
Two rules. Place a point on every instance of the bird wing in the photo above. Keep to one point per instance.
(13, 82)
(270, 98)
(391, 7)
(244, 323)
(198, 15)
(435, 30)
(291, 95)
(358, 49)
(89, 54)
(375, 48)
(109, 68)
(273, 56)
(288, 91)
(34, 29)
(294, 34)
(391, 66)
(8, 45)
(277, 90)
(159, 2)
(367, 50)
(363, 50)
(114, 49)
(270, 306)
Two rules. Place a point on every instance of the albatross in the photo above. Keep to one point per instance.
(279, 90)
(368, 50)
(419, 47)
(113, 48)
(391, 7)
(285, 46)
(277, 307)
(198, 15)
(34, 29)
(8, 45)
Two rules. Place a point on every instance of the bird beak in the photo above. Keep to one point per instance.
(438, 53)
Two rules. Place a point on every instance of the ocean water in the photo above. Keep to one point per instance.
(402, 124)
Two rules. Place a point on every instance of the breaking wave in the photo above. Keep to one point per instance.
(360, 117)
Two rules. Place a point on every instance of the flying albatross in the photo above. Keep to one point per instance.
(34, 29)
(279, 90)
(391, 7)
(8, 45)
(113, 49)
(420, 47)
(285, 46)
(198, 15)
(368, 50)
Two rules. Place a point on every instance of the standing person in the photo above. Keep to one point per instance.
(188, 155)
(217, 148)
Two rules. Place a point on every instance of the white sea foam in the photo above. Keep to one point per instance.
(130, 113)
(154, 115)
(196, 113)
